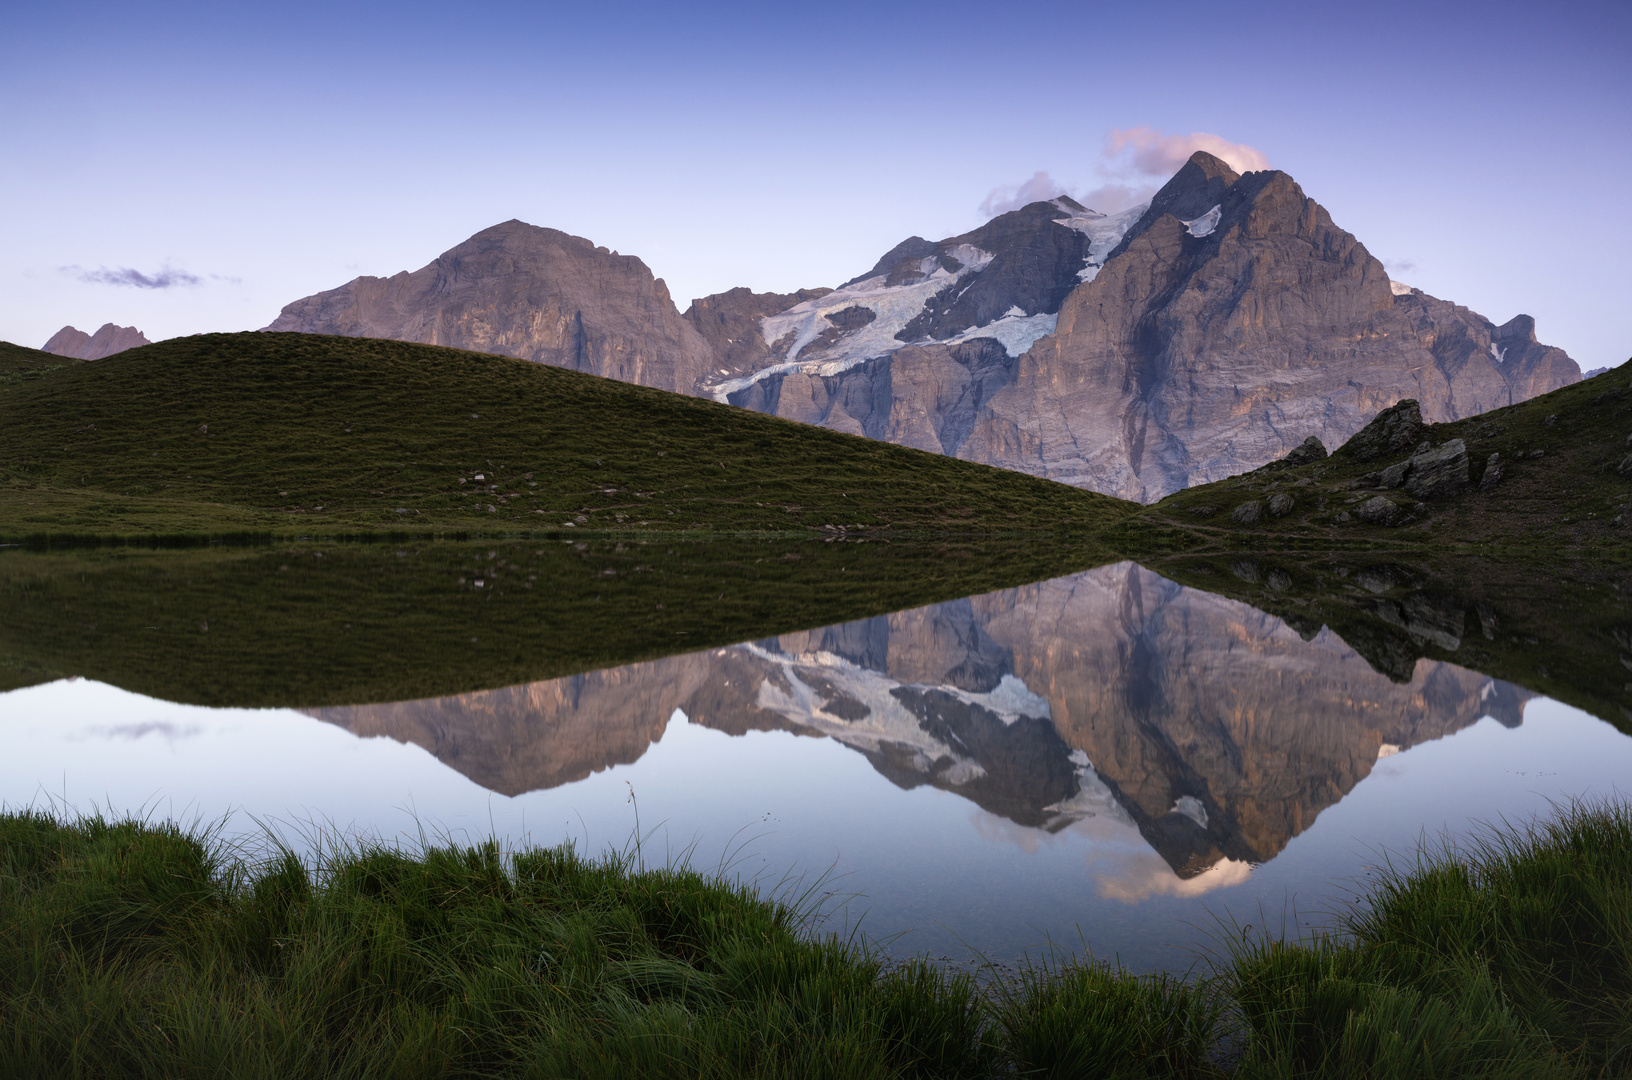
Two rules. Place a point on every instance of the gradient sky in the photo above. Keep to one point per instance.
(237, 157)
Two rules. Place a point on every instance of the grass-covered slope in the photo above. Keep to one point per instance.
(1565, 484)
(137, 949)
(294, 433)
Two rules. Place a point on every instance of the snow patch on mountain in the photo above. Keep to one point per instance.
(1205, 224)
(1104, 231)
(1400, 288)
(1016, 330)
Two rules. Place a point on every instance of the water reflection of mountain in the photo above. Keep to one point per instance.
(1220, 730)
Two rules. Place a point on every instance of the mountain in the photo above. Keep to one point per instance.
(1142, 353)
(535, 294)
(1135, 354)
(79, 345)
(1221, 731)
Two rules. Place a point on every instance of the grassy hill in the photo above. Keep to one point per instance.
(302, 434)
(1565, 485)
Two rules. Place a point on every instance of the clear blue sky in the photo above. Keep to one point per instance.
(263, 152)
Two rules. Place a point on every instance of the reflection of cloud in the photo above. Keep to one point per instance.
(166, 278)
(1144, 876)
(1135, 163)
(170, 732)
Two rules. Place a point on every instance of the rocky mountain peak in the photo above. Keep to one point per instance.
(108, 340)
(534, 293)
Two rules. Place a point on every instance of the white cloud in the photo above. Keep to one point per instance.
(1158, 154)
(1040, 188)
(1135, 163)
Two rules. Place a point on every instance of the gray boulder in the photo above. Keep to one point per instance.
(1389, 432)
(1247, 513)
(1625, 467)
(1311, 449)
(1280, 505)
(1379, 511)
(1493, 472)
(1439, 473)
(1394, 476)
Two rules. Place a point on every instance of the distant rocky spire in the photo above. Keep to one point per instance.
(105, 342)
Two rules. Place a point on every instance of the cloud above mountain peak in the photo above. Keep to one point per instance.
(1135, 162)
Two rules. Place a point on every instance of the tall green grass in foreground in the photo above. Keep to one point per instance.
(137, 949)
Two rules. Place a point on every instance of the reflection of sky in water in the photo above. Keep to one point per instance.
(926, 860)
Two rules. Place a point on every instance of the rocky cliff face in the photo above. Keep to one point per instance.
(105, 342)
(522, 291)
(1219, 730)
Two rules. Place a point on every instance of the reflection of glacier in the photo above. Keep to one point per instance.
(1217, 729)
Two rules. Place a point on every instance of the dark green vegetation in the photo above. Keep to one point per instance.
(294, 434)
(131, 949)
(1564, 486)
(308, 624)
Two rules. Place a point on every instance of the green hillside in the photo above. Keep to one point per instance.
(1564, 485)
(301, 434)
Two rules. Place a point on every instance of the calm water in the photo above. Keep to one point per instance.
(1108, 759)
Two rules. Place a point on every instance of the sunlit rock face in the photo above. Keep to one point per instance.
(1218, 730)
(523, 291)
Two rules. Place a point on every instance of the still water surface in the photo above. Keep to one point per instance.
(1107, 759)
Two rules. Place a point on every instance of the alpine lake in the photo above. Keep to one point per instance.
(967, 749)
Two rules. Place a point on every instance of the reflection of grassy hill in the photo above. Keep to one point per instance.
(1559, 487)
(293, 433)
(1564, 634)
(324, 624)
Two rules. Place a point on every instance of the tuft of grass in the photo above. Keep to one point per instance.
(1085, 1018)
(299, 433)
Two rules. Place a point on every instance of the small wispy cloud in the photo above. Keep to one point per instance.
(1040, 188)
(165, 278)
(1404, 266)
(1135, 163)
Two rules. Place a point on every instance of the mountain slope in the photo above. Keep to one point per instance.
(535, 294)
(294, 432)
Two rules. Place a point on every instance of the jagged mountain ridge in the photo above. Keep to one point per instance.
(1134, 354)
(78, 345)
(1220, 731)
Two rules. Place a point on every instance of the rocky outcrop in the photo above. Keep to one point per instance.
(523, 291)
(1220, 730)
(108, 340)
